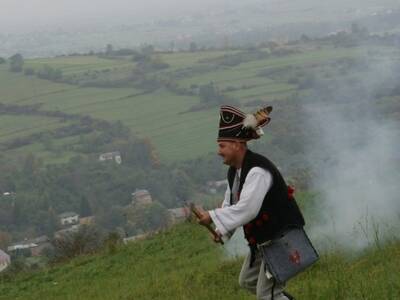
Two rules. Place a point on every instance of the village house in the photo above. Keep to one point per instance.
(42, 243)
(8, 194)
(5, 260)
(89, 220)
(30, 247)
(141, 197)
(19, 247)
(68, 218)
(115, 156)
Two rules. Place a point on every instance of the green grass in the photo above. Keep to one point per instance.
(17, 88)
(78, 64)
(183, 263)
(185, 59)
(20, 125)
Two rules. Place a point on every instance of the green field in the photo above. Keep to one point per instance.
(162, 115)
(183, 263)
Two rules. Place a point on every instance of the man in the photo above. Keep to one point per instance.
(256, 198)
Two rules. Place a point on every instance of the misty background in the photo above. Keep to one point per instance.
(353, 152)
(42, 28)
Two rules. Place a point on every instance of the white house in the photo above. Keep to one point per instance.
(116, 156)
(21, 246)
(69, 218)
(5, 260)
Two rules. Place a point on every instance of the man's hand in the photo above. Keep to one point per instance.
(204, 218)
(217, 238)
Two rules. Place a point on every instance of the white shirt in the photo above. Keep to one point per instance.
(229, 217)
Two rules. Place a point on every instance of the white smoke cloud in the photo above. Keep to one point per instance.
(353, 152)
(358, 175)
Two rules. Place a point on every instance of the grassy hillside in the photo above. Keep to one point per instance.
(183, 263)
(165, 115)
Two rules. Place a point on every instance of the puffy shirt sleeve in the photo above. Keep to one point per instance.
(229, 217)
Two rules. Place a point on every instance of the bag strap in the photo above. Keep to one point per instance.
(273, 288)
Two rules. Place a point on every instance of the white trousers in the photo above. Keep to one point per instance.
(254, 279)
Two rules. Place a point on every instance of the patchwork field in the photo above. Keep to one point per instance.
(163, 115)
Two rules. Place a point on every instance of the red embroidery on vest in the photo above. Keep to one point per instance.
(248, 227)
(252, 241)
(265, 216)
(259, 223)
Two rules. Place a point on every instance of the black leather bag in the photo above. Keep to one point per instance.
(288, 254)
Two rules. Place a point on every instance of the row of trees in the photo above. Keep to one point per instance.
(46, 72)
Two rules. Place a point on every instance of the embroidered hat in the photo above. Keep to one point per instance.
(238, 126)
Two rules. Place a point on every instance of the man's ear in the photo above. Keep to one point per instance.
(238, 145)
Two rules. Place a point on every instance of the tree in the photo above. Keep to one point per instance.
(85, 209)
(87, 239)
(5, 239)
(109, 49)
(358, 30)
(29, 71)
(16, 63)
(30, 165)
(193, 47)
(183, 186)
(2, 60)
(49, 73)
(148, 217)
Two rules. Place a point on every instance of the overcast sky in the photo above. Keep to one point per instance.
(28, 13)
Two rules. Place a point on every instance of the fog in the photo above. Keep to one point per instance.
(355, 160)
(25, 14)
(352, 151)
(42, 28)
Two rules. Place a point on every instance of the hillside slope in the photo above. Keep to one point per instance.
(183, 263)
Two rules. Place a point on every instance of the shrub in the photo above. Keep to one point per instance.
(87, 239)
(29, 71)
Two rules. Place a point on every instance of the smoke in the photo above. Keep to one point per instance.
(353, 151)
(352, 143)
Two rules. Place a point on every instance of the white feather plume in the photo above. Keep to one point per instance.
(260, 131)
(250, 121)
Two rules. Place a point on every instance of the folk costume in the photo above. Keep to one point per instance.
(256, 198)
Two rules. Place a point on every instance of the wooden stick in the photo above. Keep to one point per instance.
(210, 229)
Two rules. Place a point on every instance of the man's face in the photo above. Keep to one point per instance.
(228, 151)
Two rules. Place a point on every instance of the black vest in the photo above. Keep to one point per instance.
(279, 209)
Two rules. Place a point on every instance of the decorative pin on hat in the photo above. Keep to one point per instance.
(236, 125)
